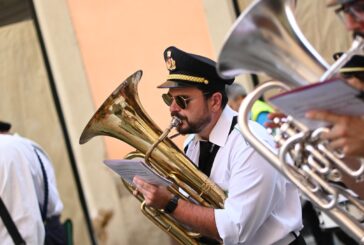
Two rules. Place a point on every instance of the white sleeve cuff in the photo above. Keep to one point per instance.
(226, 229)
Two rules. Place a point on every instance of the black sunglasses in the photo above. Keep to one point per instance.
(181, 101)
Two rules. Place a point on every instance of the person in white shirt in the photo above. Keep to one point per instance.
(18, 191)
(261, 207)
(44, 182)
(55, 233)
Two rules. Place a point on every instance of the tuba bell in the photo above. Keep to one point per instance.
(122, 116)
(266, 39)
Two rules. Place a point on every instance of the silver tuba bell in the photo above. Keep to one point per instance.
(266, 39)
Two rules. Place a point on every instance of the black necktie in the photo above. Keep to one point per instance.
(208, 152)
(207, 155)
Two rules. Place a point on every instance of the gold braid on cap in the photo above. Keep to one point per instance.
(352, 69)
(187, 78)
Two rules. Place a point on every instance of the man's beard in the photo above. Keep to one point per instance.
(192, 127)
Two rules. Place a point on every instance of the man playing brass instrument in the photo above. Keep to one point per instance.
(346, 131)
(353, 71)
(262, 207)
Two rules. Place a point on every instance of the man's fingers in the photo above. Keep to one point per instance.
(331, 135)
(273, 115)
(337, 144)
(271, 125)
(356, 83)
(139, 183)
(323, 116)
(142, 186)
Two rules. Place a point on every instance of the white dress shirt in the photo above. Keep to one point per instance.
(18, 192)
(262, 207)
(55, 205)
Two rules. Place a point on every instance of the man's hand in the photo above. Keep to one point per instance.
(271, 116)
(356, 83)
(154, 196)
(198, 218)
(346, 133)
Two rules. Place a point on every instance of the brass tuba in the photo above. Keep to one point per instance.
(121, 116)
(266, 38)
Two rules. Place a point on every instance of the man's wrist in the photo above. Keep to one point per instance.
(171, 205)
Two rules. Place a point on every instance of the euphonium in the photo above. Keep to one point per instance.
(266, 38)
(122, 116)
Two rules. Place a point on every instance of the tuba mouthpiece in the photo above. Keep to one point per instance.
(175, 122)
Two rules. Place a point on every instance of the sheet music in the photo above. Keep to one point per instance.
(333, 95)
(128, 169)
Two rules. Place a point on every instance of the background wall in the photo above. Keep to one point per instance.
(117, 38)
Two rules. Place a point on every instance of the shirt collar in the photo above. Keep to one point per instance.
(220, 132)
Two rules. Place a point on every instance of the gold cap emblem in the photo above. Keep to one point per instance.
(170, 62)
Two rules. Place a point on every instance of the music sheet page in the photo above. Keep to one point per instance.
(333, 95)
(128, 169)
